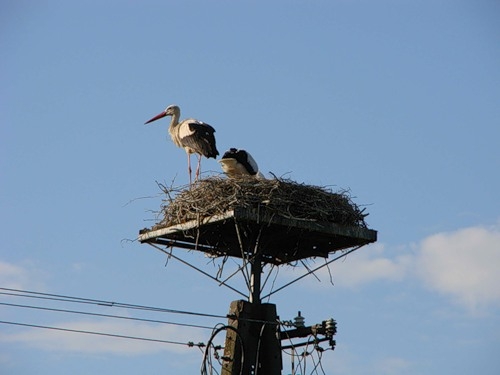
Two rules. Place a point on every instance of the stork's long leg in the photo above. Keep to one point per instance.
(189, 167)
(198, 168)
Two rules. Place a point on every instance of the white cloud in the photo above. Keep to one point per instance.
(52, 340)
(23, 276)
(366, 265)
(464, 264)
(27, 277)
(13, 276)
(392, 365)
(346, 360)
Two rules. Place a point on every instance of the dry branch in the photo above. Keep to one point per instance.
(278, 196)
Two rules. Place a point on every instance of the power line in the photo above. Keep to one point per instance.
(189, 344)
(103, 315)
(64, 298)
(206, 358)
(89, 301)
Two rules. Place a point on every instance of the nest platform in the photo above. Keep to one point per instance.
(278, 220)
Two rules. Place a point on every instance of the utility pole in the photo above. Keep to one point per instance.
(253, 345)
(255, 279)
(257, 348)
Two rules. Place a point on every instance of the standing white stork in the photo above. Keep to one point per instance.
(237, 163)
(194, 136)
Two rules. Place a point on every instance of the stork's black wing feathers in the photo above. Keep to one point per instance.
(242, 157)
(201, 139)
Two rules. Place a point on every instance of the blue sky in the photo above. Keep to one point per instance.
(397, 101)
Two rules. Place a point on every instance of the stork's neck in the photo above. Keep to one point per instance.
(173, 129)
(175, 120)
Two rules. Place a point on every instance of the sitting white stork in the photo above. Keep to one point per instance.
(238, 163)
(194, 136)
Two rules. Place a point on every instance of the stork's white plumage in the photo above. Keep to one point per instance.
(237, 163)
(194, 136)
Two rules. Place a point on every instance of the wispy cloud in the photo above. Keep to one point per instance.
(463, 264)
(369, 265)
(51, 340)
(348, 362)
(392, 365)
(27, 277)
(16, 276)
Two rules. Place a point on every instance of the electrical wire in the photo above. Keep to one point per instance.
(64, 298)
(103, 315)
(89, 301)
(302, 358)
(293, 354)
(302, 362)
(209, 344)
(189, 344)
(316, 365)
(258, 349)
(321, 364)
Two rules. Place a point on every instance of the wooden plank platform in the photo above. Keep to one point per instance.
(278, 240)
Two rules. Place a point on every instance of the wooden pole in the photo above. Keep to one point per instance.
(255, 280)
(257, 328)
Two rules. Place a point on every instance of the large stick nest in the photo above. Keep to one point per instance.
(216, 195)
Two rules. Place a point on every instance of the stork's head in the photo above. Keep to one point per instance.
(171, 110)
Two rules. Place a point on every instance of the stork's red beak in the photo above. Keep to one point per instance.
(157, 117)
